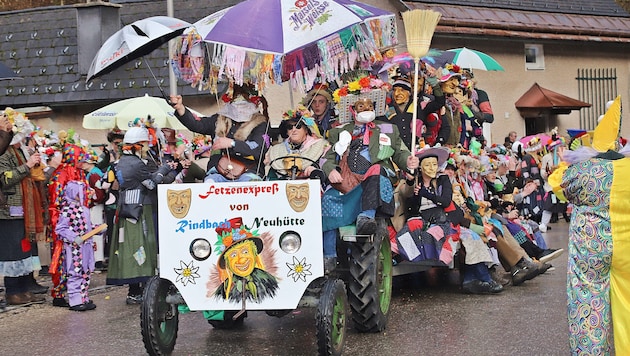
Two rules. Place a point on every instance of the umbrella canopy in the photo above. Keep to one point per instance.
(7, 73)
(468, 59)
(133, 41)
(123, 113)
(274, 41)
(539, 138)
(282, 26)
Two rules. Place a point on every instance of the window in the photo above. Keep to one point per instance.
(534, 57)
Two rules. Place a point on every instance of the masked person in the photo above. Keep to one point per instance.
(451, 129)
(360, 165)
(400, 110)
(239, 131)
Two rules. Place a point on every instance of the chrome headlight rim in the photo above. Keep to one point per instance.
(200, 249)
(290, 242)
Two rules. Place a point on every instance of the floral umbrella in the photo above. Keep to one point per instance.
(281, 40)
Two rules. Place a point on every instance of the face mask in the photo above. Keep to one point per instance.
(366, 116)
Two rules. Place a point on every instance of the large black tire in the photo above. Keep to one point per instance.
(159, 320)
(370, 285)
(331, 318)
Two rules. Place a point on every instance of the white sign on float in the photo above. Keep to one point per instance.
(221, 243)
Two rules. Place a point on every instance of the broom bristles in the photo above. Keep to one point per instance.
(419, 28)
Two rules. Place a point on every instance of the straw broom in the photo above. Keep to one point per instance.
(419, 28)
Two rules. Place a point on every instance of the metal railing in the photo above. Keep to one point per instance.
(595, 86)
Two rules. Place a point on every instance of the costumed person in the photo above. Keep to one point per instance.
(426, 235)
(6, 132)
(73, 223)
(451, 124)
(360, 168)
(133, 249)
(532, 205)
(240, 135)
(551, 204)
(96, 204)
(68, 170)
(109, 183)
(481, 106)
(301, 139)
(202, 150)
(471, 130)
(320, 101)
(177, 150)
(594, 180)
(21, 216)
(400, 110)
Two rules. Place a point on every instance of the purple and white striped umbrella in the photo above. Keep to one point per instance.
(281, 26)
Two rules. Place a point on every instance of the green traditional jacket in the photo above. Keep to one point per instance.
(385, 147)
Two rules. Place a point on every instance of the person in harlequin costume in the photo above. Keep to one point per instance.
(594, 180)
(73, 223)
(68, 170)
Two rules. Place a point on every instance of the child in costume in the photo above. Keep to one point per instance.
(74, 222)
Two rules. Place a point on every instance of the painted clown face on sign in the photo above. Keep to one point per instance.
(240, 259)
(298, 195)
(178, 202)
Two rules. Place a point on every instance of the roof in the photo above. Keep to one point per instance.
(578, 7)
(598, 20)
(44, 54)
(539, 98)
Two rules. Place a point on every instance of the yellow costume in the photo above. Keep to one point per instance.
(598, 283)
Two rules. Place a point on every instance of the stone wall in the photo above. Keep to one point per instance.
(9, 5)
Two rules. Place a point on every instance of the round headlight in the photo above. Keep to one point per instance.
(290, 242)
(200, 249)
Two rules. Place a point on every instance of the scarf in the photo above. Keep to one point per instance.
(31, 203)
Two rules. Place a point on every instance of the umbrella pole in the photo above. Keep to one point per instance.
(168, 100)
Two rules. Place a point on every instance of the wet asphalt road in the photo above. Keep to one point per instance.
(429, 316)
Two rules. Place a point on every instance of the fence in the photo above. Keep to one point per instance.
(597, 87)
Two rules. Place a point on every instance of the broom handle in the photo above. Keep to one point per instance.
(415, 108)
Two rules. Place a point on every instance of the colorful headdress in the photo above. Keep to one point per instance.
(606, 133)
(300, 115)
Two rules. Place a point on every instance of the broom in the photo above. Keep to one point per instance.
(419, 28)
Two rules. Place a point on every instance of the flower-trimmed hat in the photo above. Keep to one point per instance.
(300, 116)
(232, 235)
